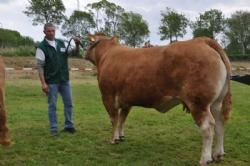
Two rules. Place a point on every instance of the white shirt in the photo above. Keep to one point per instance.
(39, 52)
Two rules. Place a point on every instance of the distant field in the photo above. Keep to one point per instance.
(152, 138)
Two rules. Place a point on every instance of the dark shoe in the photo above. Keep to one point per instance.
(69, 130)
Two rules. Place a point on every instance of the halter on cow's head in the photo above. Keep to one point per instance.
(98, 45)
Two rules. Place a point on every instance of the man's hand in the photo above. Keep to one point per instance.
(45, 88)
(77, 40)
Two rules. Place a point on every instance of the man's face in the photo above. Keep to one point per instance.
(49, 32)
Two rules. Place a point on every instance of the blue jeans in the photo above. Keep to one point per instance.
(64, 90)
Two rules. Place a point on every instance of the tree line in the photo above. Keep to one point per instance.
(132, 28)
(10, 38)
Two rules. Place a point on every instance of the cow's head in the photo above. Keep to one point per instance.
(99, 44)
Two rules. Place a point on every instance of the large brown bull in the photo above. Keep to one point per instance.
(4, 134)
(195, 73)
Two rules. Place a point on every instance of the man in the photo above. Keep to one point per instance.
(52, 64)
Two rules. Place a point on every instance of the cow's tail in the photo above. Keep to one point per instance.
(227, 101)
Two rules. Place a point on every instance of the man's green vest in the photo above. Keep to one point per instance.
(56, 62)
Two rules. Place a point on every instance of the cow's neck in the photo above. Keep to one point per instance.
(100, 57)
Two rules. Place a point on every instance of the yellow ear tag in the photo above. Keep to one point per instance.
(115, 39)
(92, 39)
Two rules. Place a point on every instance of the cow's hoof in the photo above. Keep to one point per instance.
(206, 163)
(218, 157)
(5, 143)
(121, 138)
(115, 141)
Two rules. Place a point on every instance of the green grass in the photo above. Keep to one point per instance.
(152, 138)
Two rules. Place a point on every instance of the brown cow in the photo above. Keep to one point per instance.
(4, 134)
(195, 73)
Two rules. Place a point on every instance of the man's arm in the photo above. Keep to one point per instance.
(40, 62)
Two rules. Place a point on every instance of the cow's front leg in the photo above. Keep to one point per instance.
(118, 121)
(4, 131)
(115, 118)
(109, 104)
(4, 136)
(123, 115)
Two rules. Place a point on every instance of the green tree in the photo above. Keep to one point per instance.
(113, 13)
(45, 11)
(172, 25)
(106, 16)
(202, 32)
(238, 32)
(27, 41)
(77, 24)
(209, 24)
(133, 29)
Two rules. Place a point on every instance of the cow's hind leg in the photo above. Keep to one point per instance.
(205, 121)
(219, 131)
(113, 112)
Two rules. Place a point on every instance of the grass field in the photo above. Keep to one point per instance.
(152, 138)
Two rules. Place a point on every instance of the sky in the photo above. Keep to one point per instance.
(12, 16)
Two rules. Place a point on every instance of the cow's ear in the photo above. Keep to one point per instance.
(115, 39)
(92, 39)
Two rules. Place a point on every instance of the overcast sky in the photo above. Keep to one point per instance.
(12, 16)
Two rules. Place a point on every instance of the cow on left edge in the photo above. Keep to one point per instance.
(4, 131)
